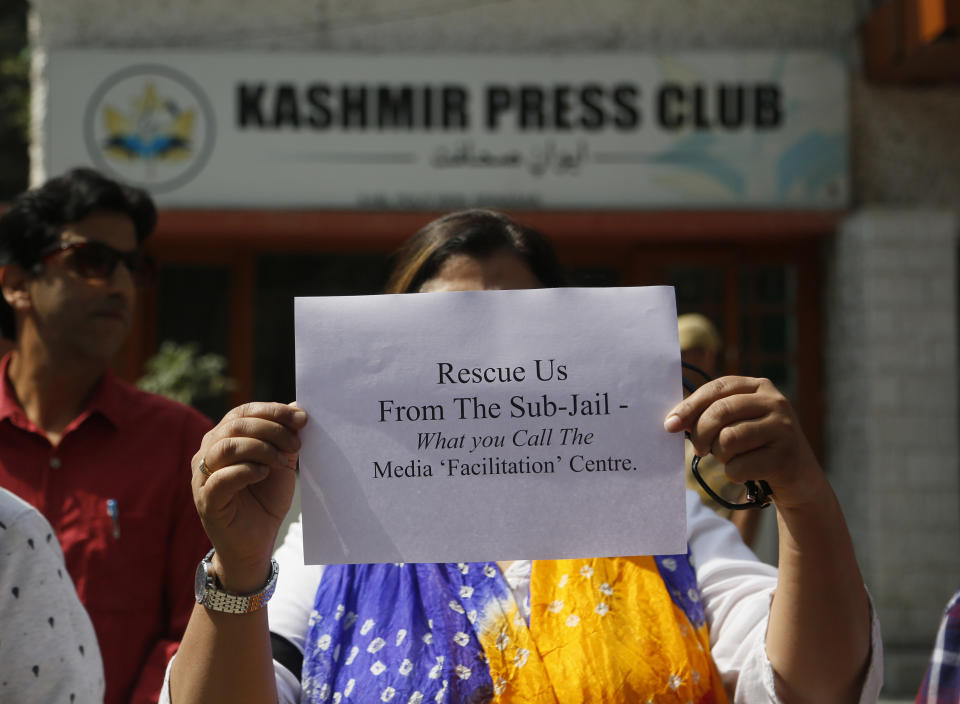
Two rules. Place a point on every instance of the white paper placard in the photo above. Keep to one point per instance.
(489, 425)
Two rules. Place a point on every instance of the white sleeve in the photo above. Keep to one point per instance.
(288, 611)
(736, 590)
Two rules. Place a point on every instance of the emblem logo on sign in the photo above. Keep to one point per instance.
(150, 126)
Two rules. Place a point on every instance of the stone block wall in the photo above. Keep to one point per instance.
(892, 418)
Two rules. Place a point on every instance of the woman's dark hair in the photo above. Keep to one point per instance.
(475, 233)
(37, 218)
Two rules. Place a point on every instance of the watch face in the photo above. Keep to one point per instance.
(208, 592)
(200, 582)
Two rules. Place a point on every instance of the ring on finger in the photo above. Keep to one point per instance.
(203, 468)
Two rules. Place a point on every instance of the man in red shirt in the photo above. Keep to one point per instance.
(107, 464)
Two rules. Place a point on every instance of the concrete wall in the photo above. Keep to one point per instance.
(892, 420)
(905, 150)
(428, 25)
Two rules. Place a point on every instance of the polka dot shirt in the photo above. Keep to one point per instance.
(48, 649)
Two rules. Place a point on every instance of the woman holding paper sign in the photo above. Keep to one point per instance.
(700, 627)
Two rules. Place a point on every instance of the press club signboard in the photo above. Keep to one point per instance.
(367, 131)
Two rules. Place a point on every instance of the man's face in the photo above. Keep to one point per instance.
(82, 316)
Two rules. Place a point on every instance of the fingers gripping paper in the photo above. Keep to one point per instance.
(489, 425)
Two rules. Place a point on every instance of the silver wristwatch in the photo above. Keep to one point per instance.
(209, 591)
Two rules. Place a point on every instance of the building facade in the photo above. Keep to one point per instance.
(846, 298)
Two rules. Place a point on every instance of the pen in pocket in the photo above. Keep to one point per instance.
(113, 510)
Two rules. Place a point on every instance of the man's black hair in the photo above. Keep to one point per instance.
(37, 217)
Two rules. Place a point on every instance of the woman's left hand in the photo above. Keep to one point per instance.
(818, 637)
(751, 427)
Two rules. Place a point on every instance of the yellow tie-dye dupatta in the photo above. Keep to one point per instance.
(599, 630)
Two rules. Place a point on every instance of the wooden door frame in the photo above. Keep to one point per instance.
(804, 255)
(234, 238)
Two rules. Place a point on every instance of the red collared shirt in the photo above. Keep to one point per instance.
(117, 491)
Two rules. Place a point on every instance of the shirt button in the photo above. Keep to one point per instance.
(55, 462)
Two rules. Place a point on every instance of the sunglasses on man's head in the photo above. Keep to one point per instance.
(96, 260)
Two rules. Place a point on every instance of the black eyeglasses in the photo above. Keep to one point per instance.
(96, 260)
(758, 493)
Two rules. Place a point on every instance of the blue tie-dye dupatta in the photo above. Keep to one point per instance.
(410, 633)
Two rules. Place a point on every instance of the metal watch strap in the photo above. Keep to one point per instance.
(213, 597)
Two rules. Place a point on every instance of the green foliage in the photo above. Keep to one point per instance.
(180, 372)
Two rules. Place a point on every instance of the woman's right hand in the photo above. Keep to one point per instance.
(251, 456)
